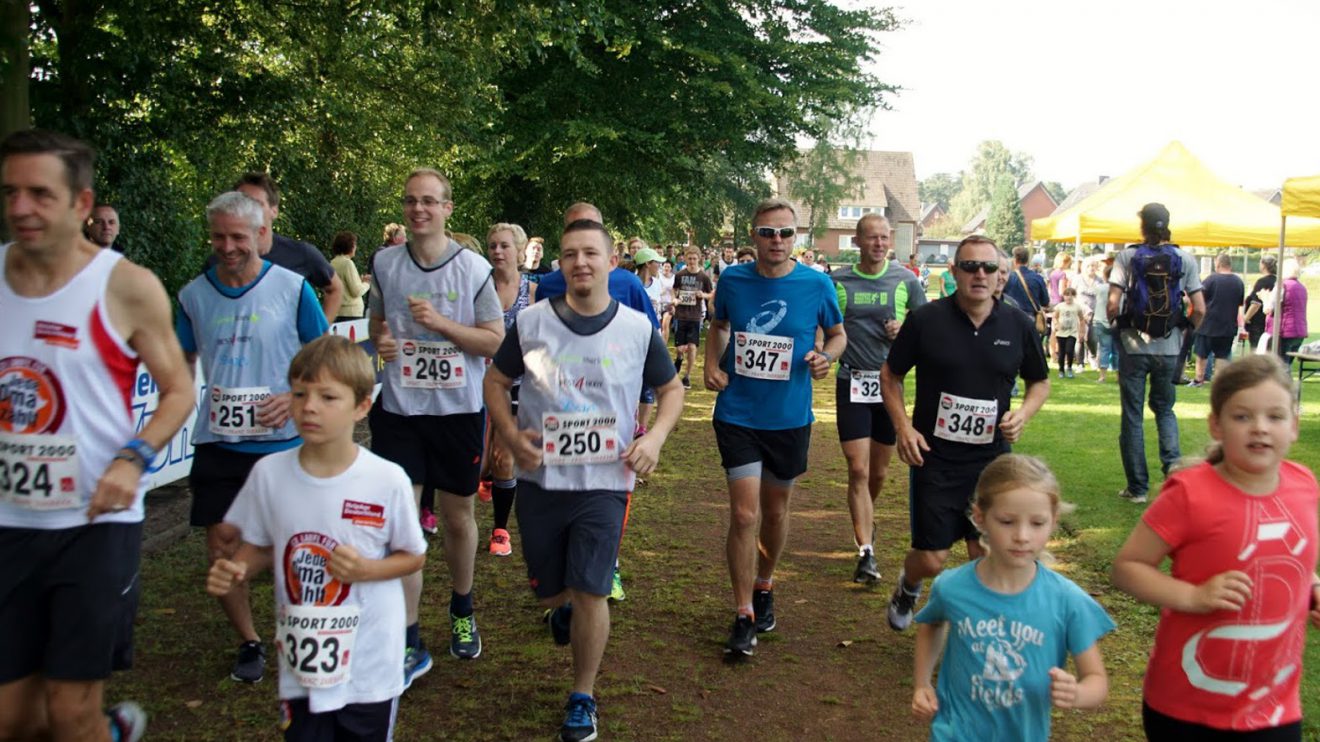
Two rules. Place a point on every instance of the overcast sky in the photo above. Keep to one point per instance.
(1095, 88)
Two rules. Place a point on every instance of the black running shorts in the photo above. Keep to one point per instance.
(570, 539)
(440, 452)
(940, 502)
(360, 722)
(856, 420)
(687, 332)
(781, 452)
(218, 473)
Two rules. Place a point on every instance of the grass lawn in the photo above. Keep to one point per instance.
(834, 670)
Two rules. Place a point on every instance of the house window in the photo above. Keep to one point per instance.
(855, 212)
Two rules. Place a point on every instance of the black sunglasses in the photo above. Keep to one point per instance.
(970, 266)
(768, 232)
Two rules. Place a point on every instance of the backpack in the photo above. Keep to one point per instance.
(1153, 299)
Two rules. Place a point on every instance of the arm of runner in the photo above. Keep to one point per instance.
(379, 332)
(482, 339)
(717, 339)
(1136, 572)
(1015, 421)
(1085, 692)
(910, 443)
(139, 311)
(248, 562)
(332, 296)
(930, 644)
(347, 565)
(835, 343)
(644, 453)
(523, 444)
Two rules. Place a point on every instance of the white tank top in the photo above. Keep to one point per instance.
(66, 385)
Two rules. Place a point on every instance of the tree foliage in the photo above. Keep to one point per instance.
(940, 188)
(992, 162)
(1005, 224)
(665, 114)
(822, 177)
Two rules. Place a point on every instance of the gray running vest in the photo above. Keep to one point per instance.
(867, 302)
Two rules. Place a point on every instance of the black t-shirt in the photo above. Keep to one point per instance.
(1264, 283)
(300, 257)
(1223, 297)
(658, 370)
(953, 357)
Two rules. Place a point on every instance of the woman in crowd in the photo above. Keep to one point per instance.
(344, 247)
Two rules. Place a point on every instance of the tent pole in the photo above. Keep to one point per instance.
(1278, 288)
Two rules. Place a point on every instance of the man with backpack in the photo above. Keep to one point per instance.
(1147, 288)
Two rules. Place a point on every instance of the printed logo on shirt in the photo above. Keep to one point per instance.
(364, 513)
(54, 333)
(766, 320)
(1001, 643)
(307, 577)
(31, 398)
(1003, 342)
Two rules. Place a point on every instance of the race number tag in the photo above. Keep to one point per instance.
(966, 420)
(39, 472)
(234, 410)
(864, 387)
(762, 356)
(316, 642)
(687, 298)
(431, 364)
(571, 438)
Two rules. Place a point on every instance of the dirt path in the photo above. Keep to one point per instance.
(832, 670)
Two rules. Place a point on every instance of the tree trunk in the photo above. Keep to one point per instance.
(15, 112)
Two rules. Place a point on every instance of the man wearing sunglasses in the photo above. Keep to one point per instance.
(763, 411)
(967, 349)
(875, 297)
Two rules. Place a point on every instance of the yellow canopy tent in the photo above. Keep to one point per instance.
(1301, 198)
(1203, 209)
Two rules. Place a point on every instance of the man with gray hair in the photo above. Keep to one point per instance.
(245, 318)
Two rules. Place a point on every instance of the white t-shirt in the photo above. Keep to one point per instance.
(666, 288)
(303, 518)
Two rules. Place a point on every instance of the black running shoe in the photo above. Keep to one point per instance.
(763, 605)
(250, 667)
(742, 640)
(560, 620)
(867, 571)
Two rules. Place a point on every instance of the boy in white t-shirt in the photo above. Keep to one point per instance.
(339, 526)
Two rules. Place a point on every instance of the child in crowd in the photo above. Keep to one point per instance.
(1007, 622)
(339, 526)
(1240, 530)
(1069, 326)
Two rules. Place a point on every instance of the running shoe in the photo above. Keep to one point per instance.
(742, 640)
(687, 382)
(1070, 374)
(500, 545)
(484, 490)
(639, 431)
(416, 663)
(763, 605)
(579, 719)
(128, 722)
(429, 524)
(464, 639)
(616, 588)
(250, 666)
(560, 620)
(1127, 495)
(867, 570)
(902, 605)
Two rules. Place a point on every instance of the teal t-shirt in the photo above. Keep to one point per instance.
(994, 682)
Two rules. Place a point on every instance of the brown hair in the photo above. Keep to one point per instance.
(1244, 373)
(343, 243)
(975, 239)
(262, 181)
(340, 359)
(78, 158)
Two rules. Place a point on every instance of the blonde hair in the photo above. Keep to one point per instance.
(445, 188)
(468, 242)
(1291, 269)
(1012, 471)
(340, 359)
(392, 230)
(1245, 373)
(519, 236)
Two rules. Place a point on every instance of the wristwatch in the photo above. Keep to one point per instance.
(137, 450)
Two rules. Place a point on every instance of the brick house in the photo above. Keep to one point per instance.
(889, 187)
(1036, 202)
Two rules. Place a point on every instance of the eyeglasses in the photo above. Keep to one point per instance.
(430, 203)
(770, 232)
(970, 266)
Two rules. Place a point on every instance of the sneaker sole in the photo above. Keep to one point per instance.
(593, 735)
(457, 656)
(502, 553)
(866, 579)
(771, 627)
(237, 679)
(750, 651)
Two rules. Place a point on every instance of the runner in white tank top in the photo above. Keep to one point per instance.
(77, 322)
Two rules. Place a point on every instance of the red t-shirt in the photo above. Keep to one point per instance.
(1236, 670)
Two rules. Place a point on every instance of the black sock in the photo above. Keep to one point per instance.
(412, 636)
(678, 364)
(502, 495)
(460, 605)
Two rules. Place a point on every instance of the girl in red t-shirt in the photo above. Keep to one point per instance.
(1240, 529)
